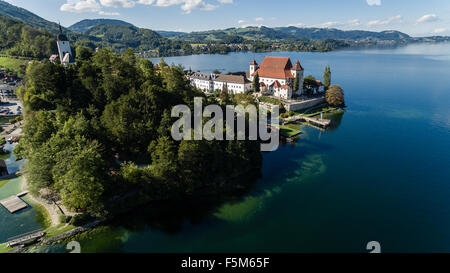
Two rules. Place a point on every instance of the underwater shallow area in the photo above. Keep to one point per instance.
(380, 174)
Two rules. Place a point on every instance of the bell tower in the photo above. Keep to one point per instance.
(64, 51)
(253, 68)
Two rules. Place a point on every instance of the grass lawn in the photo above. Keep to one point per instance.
(3, 182)
(59, 229)
(42, 216)
(12, 63)
(4, 248)
(288, 131)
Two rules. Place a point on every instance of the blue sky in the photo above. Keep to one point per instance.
(418, 18)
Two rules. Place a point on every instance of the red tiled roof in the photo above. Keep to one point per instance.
(254, 62)
(262, 84)
(298, 66)
(276, 68)
(285, 86)
(276, 84)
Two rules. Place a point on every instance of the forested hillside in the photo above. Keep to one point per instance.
(27, 17)
(87, 127)
(120, 38)
(87, 24)
(19, 39)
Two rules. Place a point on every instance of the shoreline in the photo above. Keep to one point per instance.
(51, 209)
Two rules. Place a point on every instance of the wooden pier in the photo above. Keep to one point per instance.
(13, 204)
(25, 238)
(315, 121)
(22, 194)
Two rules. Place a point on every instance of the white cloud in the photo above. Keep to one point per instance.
(118, 3)
(439, 30)
(259, 19)
(240, 22)
(108, 13)
(333, 24)
(81, 6)
(385, 22)
(226, 1)
(428, 18)
(296, 25)
(186, 5)
(374, 2)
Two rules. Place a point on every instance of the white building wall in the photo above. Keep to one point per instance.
(63, 47)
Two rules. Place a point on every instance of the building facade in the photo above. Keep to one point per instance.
(277, 75)
(234, 84)
(64, 50)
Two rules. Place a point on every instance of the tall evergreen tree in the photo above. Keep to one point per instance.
(297, 82)
(256, 87)
(224, 96)
(327, 77)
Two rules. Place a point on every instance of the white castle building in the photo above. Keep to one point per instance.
(276, 78)
(235, 84)
(277, 75)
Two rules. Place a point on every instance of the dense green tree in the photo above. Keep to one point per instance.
(327, 77)
(224, 96)
(164, 158)
(83, 53)
(82, 121)
(256, 87)
(310, 84)
(81, 185)
(296, 82)
(335, 96)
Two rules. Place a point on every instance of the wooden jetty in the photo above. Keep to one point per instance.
(13, 204)
(25, 238)
(22, 194)
(321, 122)
(316, 121)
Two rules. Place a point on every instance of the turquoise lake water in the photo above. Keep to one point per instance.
(382, 173)
(20, 222)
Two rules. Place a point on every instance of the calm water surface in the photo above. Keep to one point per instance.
(381, 174)
(23, 221)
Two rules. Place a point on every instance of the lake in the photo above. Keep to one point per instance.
(381, 174)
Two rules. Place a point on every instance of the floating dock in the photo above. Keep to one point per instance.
(25, 238)
(316, 121)
(13, 204)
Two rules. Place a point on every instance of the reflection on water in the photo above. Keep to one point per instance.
(11, 162)
(379, 173)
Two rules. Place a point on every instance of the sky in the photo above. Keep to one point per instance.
(414, 17)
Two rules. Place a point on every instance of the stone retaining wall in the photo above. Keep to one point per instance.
(302, 105)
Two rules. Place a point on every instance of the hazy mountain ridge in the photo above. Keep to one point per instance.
(120, 35)
(85, 25)
(27, 17)
(266, 33)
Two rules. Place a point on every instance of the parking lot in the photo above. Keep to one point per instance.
(10, 108)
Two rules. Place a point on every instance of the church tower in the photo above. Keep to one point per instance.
(297, 69)
(64, 51)
(253, 68)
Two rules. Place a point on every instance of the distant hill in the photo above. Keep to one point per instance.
(168, 34)
(266, 33)
(27, 17)
(87, 24)
(19, 39)
(119, 38)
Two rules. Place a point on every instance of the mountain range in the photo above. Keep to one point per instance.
(120, 35)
